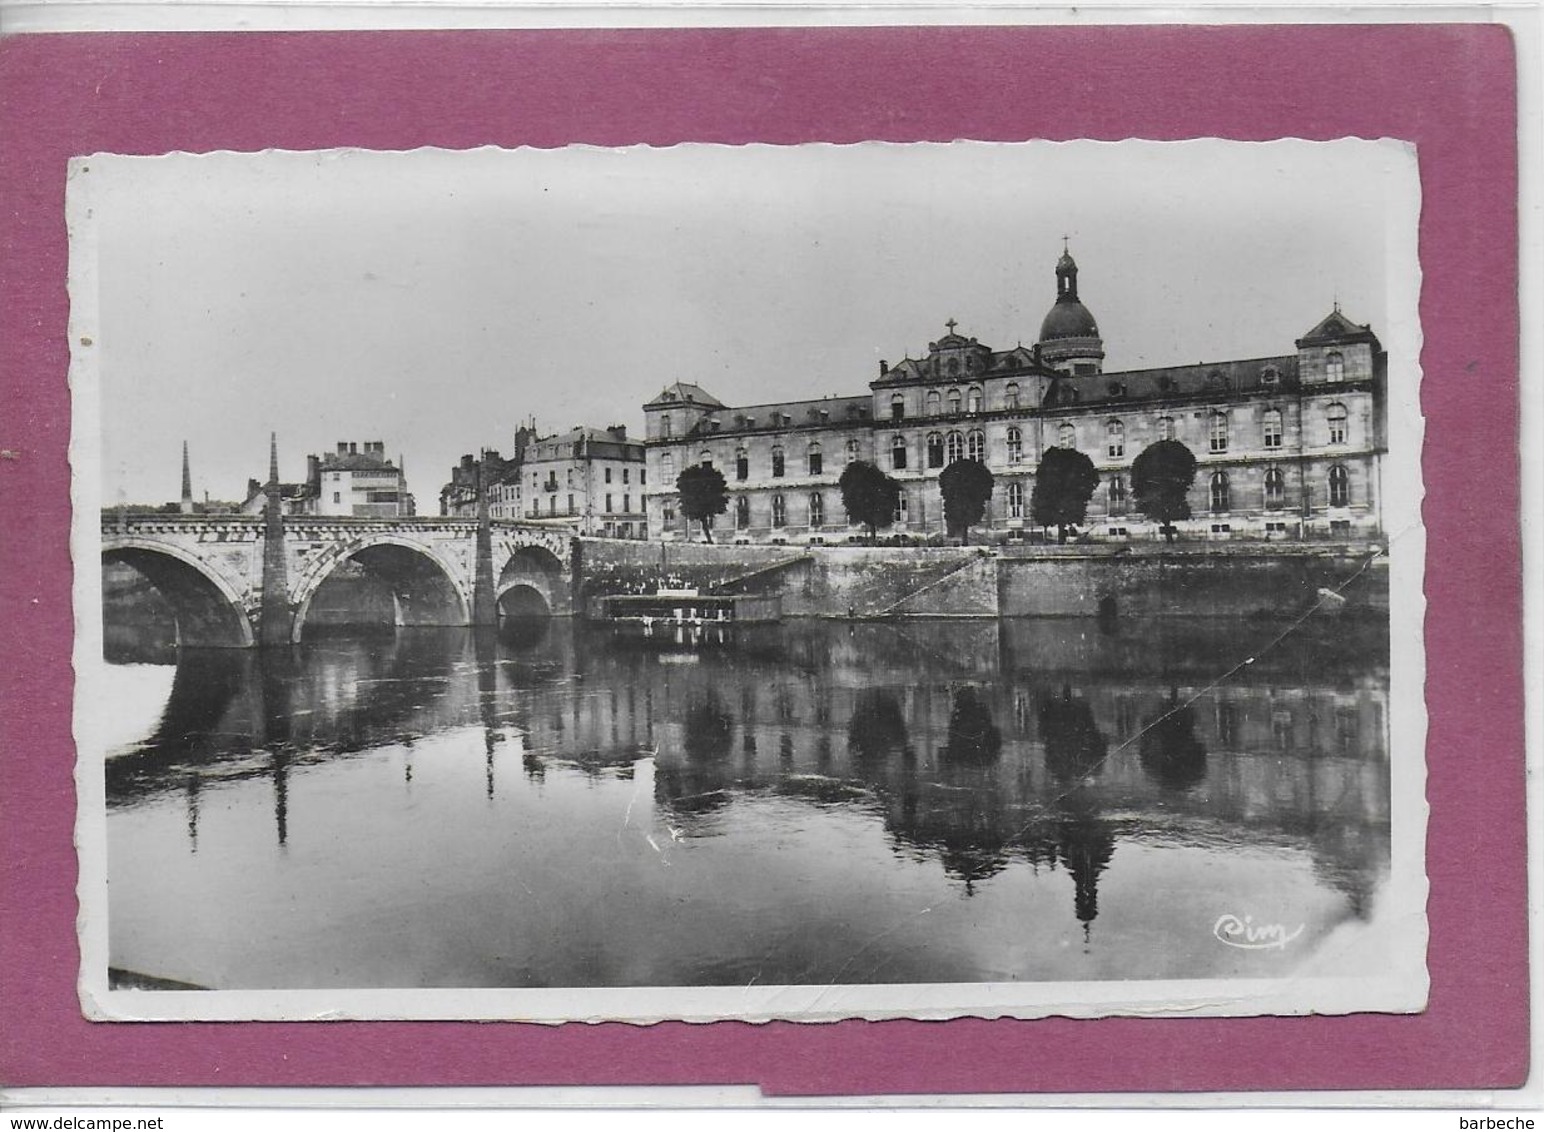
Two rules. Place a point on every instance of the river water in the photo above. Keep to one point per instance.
(570, 805)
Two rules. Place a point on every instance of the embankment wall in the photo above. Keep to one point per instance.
(1224, 581)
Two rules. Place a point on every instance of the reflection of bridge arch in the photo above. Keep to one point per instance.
(426, 587)
(532, 584)
(208, 609)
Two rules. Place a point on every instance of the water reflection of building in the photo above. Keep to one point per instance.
(1036, 743)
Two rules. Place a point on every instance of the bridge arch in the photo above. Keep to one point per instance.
(208, 611)
(410, 583)
(532, 584)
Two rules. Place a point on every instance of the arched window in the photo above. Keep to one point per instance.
(935, 449)
(973, 399)
(1218, 436)
(975, 445)
(955, 447)
(815, 462)
(1334, 366)
(898, 452)
(705, 458)
(667, 466)
(1220, 501)
(742, 511)
(1117, 495)
(897, 407)
(1340, 486)
(852, 450)
(1066, 436)
(1335, 415)
(954, 402)
(1015, 446)
(1165, 428)
(1271, 428)
(934, 403)
(1015, 500)
(1011, 395)
(817, 510)
(664, 424)
(779, 512)
(1114, 440)
(777, 460)
(1275, 489)
(742, 464)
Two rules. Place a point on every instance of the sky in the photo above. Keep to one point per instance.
(435, 300)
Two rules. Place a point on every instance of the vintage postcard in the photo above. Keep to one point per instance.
(760, 582)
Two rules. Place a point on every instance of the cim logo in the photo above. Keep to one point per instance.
(1245, 933)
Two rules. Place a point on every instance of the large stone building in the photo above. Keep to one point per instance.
(589, 479)
(347, 483)
(1288, 446)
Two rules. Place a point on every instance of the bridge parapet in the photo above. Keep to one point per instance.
(429, 563)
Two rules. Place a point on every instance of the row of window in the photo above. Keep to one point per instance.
(943, 449)
(1220, 496)
(552, 478)
(552, 505)
(973, 398)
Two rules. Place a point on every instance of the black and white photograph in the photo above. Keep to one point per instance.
(758, 582)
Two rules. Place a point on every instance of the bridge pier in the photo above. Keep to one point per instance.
(275, 617)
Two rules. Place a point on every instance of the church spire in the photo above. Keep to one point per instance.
(186, 505)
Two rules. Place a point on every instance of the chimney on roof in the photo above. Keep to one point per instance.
(313, 470)
(342, 448)
(353, 448)
(618, 431)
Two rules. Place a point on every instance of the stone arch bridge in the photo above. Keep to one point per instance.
(236, 581)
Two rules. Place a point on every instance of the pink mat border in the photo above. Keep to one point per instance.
(1449, 88)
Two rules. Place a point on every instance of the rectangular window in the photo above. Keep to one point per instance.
(815, 463)
(570, 504)
(1273, 429)
(627, 504)
(608, 502)
(1219, 432)
(626, 473)
(337, 497)
(608, 480)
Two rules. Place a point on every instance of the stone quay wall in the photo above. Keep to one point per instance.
(843, 581)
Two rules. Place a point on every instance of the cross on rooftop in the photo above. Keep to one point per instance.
(951, 324)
